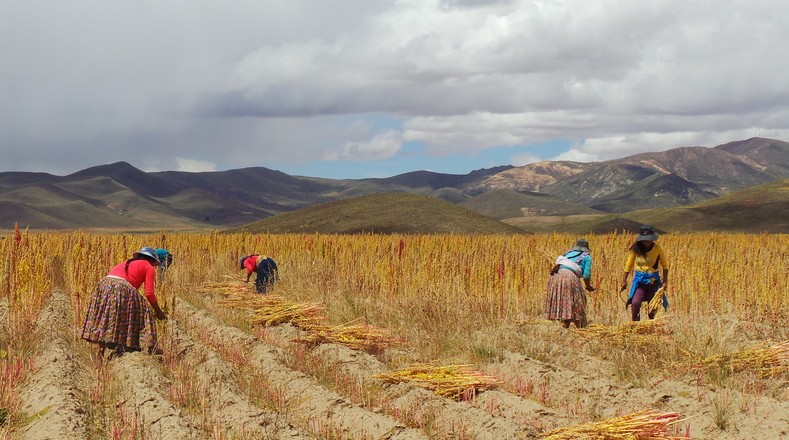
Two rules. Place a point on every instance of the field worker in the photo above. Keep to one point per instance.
(118, 317)
(265, 268)
(166, 259)
(566, 299)
(645, 256)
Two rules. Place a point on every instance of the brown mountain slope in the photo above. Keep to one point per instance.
(770, 153)
(531, 177)
(119, 193)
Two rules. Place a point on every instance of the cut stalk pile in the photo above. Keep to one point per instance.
(764, 359)
(247, 301)
(649, 331)
(224, 288)
(271, 310)
(301, 314)
(267, 310)
(643, 425)
(359, 337)
(454, 381)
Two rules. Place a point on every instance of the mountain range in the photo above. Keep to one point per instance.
(121, 196)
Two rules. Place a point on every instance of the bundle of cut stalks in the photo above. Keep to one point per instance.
(649, 331)
(301, 314)
(766, 360)
(455, 381)
(246, 301)
(656, 303)
(643, 425)
(224, 287)
(360, 337)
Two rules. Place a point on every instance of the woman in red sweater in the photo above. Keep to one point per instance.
(118, 317)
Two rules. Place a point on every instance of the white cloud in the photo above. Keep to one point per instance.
(382, 146)
(96, 82)
(192, 166)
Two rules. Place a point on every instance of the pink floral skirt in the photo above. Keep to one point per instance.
(119, 317)
(566, 298)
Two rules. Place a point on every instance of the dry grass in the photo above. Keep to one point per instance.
(437, 293)
(653, 331)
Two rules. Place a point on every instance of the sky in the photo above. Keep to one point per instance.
(374, 88)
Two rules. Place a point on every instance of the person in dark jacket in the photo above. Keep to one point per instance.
(265, 268)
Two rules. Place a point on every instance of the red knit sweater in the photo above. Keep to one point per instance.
(140, 272)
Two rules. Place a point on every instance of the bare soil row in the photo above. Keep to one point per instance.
(217, 381)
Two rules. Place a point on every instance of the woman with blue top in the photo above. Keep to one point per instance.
(566, 299)
(645, 256)
(166, 259)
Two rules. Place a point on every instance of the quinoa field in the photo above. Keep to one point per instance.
(397, 337)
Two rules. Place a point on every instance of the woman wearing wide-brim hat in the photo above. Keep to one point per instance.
(118, 317)
(644, 258)
(565, 296)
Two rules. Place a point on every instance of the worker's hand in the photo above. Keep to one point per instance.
(161, 315)
(590, 289)
(624, 286)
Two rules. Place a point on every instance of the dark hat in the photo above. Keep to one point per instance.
(581, 245)
(646, 233)
(149, 252)
(241, 261)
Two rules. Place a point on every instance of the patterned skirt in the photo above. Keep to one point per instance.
(566, 298)
(120, 317)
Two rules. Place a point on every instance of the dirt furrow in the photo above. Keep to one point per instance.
(494, 414)
(239, 417)
(52, 397)
(308, 402)
(417, 406)
(600, 396)
(143, 388)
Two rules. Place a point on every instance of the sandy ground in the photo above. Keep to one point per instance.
(52, 396)
(571, 388)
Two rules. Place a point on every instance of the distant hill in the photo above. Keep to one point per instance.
(655, 190)
(762, 208)
(679, 176)
(120, 196)
(501, 204)
(385, 213)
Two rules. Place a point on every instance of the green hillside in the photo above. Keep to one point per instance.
(502, 203)
(762, 208)
(386, 213)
